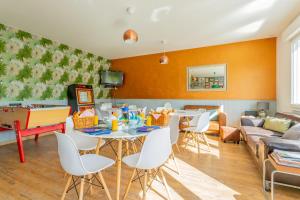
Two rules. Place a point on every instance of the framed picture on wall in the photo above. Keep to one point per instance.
(207, 77)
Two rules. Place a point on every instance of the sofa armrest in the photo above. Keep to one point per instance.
(272, 143)
(222, 119)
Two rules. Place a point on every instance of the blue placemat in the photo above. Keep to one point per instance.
(147, 128)
(96, 131)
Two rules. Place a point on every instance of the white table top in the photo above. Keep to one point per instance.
(122, 134)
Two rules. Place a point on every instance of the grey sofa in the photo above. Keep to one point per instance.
(262, 142)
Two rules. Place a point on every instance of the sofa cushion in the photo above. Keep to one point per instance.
(253, 134)
(252, 121)
(257, 131)
(293, 133)
(277, 124)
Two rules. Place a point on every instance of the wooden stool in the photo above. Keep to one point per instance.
(230, 134)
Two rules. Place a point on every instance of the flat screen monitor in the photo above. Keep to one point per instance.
(111, 78)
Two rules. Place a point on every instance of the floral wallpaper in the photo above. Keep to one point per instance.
(36, 68)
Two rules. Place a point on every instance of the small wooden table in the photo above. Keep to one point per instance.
(279, 169)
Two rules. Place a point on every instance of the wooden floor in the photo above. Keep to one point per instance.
(227, 172)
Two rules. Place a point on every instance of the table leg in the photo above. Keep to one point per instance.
(272, 184)
(36, 137)
(119, 165)
(98, 145)
(264, 175)
(19, 141)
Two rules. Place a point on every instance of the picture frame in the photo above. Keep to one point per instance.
(207, 77)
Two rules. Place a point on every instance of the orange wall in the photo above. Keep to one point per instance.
(251, 72)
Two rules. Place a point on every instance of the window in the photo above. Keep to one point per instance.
(296, 71)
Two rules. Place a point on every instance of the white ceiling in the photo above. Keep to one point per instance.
(98, 25)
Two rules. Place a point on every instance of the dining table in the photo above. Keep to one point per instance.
(119, 136)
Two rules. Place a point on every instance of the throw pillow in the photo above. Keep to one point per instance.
(293, 133)
(252, 121)
(277, 124)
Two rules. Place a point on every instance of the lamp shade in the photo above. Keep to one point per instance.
(263, 105)
(164, 60)
(130, 36)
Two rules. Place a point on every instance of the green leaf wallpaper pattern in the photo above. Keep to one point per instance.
(36, 68)
(23, 35)
(2, 46)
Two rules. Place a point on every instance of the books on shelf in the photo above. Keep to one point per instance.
(286, 158)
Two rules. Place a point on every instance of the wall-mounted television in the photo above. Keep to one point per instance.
(111, 78)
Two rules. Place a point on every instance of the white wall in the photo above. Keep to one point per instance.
(284, 66)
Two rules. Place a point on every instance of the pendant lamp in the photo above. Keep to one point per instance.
(130, 36)
(163, 60)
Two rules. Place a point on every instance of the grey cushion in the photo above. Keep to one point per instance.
(293, 133)
(257, 131)
(252, 121)
(272, 143)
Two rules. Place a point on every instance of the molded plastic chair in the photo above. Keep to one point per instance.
(83, 143)
(168, 105)
(193, 122)
(155, 152)
(83, 166)
(174, 135)
(200, 129)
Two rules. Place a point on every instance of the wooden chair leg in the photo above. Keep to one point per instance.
(165, 183)
(177, 147)
(134, 147)
(90, 182)
(66, 187)
(81, 188)
(205, 140)
(174, 159)
(187, 141)
(127, 147)
(129, 184)
(105, 186)
(184, 136)
(145, 185)
(194, 135)
(198, 143)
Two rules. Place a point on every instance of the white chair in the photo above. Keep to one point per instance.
(106, 106)
(144, 110)
(132, 107)
(168, 105)
(83, 143)
(155, 152)
(193, 122)
(174, 135)
(84, 166)
(199, 130)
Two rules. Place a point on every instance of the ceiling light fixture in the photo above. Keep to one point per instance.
(130, 36)
(163, 60)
